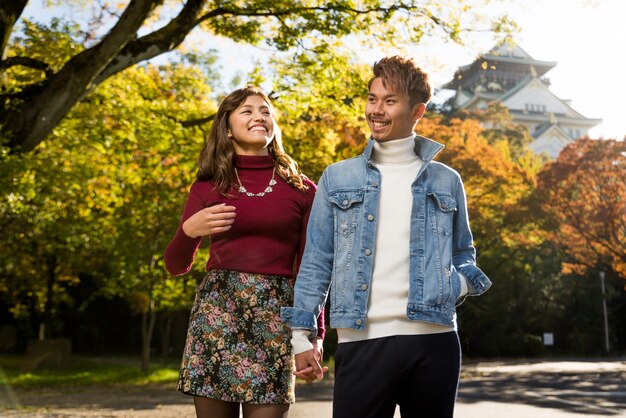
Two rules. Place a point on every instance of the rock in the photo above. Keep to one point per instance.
(47, 354)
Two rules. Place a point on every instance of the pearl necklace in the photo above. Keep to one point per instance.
(267, 190)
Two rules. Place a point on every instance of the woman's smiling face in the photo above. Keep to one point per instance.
(251, 126)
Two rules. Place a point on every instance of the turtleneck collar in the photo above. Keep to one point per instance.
(397, 151)
(254, 161)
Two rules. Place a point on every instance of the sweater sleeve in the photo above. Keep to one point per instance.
(181, 250)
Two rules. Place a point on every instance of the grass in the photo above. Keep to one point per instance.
(94, 371)
(87, 371)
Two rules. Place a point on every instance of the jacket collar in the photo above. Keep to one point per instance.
(426, 148)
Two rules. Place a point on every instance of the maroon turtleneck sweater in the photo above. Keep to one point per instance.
(269, 231)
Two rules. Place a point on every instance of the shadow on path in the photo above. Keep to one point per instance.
(600, 394)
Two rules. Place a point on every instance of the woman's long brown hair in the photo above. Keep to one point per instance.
(216, 161)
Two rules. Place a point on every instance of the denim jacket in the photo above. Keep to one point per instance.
(341, 237)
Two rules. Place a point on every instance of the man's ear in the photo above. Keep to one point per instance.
(419, 110)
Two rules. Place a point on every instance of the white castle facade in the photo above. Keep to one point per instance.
(508, 74)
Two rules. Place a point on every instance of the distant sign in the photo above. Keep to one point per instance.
(548, 338)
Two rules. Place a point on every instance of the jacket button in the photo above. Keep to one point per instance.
(359, 321)
(370, 217)
(364, 287)
(345, 201)
(368, 252)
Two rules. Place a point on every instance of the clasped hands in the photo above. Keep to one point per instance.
(219, 218)
(308, 363)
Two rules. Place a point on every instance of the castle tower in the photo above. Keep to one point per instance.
(508, 74)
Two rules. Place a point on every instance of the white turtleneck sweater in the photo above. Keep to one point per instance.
(386, 314)
(389, 290)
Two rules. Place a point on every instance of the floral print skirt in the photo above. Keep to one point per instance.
(237, 348)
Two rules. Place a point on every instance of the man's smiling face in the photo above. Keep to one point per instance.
(390, 114)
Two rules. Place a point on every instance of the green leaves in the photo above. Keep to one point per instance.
(106, 201)
(292, 26)
(321, 97)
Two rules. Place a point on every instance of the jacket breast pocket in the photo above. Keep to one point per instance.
(346, 205)
(442, 207)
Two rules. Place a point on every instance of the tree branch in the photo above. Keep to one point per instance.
(10, 11)
(296, 10)
(173, 34)
(197, 122)
(158, 42)
(26, 62)
(30, 121)
(40, 113)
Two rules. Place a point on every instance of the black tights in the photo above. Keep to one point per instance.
(213, 408)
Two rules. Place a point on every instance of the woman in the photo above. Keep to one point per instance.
(253, 204)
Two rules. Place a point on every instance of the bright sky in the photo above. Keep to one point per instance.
(585, 37)
(588, 41)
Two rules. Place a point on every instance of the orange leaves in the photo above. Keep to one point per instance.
(496, 186)
(585, 191)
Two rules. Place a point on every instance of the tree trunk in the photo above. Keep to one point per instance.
(148, 319)
(45, 325)
(166, 333)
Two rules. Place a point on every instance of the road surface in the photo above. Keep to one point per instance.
(512, 389)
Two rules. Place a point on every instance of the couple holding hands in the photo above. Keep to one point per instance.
(384, 239)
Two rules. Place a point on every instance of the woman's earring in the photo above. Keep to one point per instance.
(229, 134)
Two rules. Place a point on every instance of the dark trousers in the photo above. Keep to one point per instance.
(420, 373)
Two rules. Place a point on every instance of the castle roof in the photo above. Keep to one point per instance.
(503, 59)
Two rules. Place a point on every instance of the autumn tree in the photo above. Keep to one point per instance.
(30, 110)
(157, 160)
(498, 128)
(55, 212)
(509, 238)
(584, 189)
(104, 201)
(50, 221)
(321, 100)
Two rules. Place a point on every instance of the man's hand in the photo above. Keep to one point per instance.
(308, 365)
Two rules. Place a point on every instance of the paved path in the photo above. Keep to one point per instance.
(535, 389)
(515, 389)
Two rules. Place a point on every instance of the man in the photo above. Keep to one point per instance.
(389, 236)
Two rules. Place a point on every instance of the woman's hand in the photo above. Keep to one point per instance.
(318, 346)
(211, 220)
